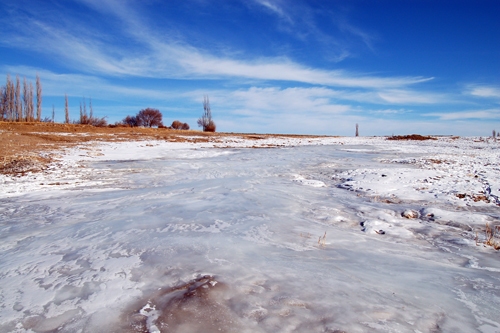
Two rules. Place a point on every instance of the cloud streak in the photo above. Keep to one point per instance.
(484, 91)
(163, 58)
(489, 114)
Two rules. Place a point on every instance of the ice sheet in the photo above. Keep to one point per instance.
(308, 236)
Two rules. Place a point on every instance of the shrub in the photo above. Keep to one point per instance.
(417, 137)
(176, 125)
(130, 121)
(179, 126)
(149, 117)
(99, 122)
(210, 127)
(88, 118)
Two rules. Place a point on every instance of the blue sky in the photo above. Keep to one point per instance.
(268, 66)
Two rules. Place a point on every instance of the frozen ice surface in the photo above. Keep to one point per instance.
(218, 237)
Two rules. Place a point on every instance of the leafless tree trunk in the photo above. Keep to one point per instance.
(357, 130)
(26, 100)
(91, 115)
(38, 99)
(10, 98)
(81, 113)
(53, 113)
(3, 103)
(19, 104)
(66, 109)
(84, 116)
(30, 102)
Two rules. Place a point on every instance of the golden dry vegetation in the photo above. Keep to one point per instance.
(22, 144)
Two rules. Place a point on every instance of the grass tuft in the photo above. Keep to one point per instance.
(492, 237)
(322, 240)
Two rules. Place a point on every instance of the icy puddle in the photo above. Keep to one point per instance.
(296, 239)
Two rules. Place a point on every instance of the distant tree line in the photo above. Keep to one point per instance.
(17, 106)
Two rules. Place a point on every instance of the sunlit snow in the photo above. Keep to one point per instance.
(299, 235)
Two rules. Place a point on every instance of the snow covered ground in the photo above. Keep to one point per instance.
(300, 235)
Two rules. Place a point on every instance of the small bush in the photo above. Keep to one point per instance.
(99, 122)
(411, 137)
(130, 121)
(210, 127)
(176, 125)
(179, 126)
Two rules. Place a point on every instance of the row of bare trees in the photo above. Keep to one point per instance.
(17, 106)
(20, 107)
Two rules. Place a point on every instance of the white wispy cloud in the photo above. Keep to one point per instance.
(83, 49)
(405, 96)
(276, 8)
(390, 111)
(484, 91)
(80, 85)
(488, 114)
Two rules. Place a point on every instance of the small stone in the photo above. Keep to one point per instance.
(18, 306)
(410, 214)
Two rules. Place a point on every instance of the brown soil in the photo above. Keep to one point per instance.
(21, 144)
(411, 137)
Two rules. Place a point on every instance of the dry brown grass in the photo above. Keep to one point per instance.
(491, 237)
(22, 143)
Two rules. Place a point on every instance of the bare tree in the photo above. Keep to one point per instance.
(31, 107)
(87, 118)
(149, 117)
(18, 103)
(38, 98)
(357, 130)
(66, 109)
(494, 134)
(53, 113)
(84, 118)
(205, 121)
(26, 99)
(10, 92)
(3, 103)
(91, 110)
